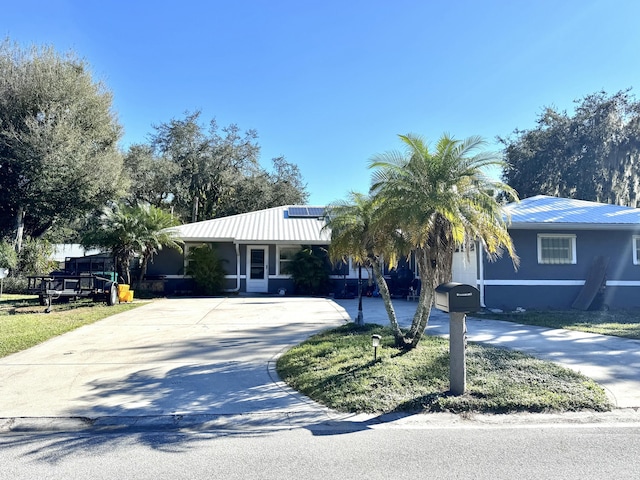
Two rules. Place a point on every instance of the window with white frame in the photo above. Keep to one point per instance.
(188, 248)
(554, 249)
(285, 257)
(636, 249)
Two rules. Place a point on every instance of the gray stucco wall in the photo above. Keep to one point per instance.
(508, 297)
(168, 261)
(171, 261)
(615, 244)
(227, 253)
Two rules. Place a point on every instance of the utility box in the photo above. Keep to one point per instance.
(457, 297)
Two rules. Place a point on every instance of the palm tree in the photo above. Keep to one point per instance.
(440, 200)
(155, 234)
(129, 231)
(358, 232)
(118, 230)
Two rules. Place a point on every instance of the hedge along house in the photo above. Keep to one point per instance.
(573, 254)
(255, 248)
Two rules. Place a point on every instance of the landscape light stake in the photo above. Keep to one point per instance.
(375, 342)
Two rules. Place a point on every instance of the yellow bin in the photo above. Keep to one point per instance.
(130, 296)
(123, 293)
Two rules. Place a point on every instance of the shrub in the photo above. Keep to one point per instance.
(34, 258)
(17, 285)
(310, 270)
(8, 255)
(206, 269)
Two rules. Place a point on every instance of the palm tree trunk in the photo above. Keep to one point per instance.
(423, 312)
(425, 301)
(431, 275)
(122, 262)
(143, 271)
(386, 297)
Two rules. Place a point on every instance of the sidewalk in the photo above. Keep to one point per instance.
(613, 362)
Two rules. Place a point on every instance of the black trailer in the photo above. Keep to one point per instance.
(67, 287)
(90, 276)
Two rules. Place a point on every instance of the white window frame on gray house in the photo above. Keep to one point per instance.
(281, 262)
(636, 249)
(552, 249)
(186, 250)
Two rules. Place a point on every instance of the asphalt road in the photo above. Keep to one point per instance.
(497, 452)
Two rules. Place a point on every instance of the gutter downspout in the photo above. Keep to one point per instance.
(237, 289)
(481, 271)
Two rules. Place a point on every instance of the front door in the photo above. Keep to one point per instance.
(257, 269)
(465, 267)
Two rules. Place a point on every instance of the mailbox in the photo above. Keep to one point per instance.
(457, 297)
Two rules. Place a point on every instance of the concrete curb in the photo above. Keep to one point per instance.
(318, 424)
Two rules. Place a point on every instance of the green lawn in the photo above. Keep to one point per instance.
(24, 324)
(336, 368)
(620, 323)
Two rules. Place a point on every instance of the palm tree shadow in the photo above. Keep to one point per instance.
(343, 426)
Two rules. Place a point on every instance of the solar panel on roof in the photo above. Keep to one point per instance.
(298, 212)
(316, 211)
(306, 212)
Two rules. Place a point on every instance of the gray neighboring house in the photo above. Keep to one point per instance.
(571, 252)
(255, 247)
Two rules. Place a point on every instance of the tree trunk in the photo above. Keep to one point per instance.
(425, 301)
(194, 213)
(423, 312)
(435, 268)
(386, 297)
(19, 228)
(122, 268)
(126, 273)
(143, 271)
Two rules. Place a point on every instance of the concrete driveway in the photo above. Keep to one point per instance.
(171, 357)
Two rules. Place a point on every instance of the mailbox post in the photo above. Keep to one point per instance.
(457, 299)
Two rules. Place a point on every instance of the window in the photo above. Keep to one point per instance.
(557, 249)
(188, 261)
(636, 249)
(285, 256)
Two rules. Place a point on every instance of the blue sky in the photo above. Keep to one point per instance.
(327, 84)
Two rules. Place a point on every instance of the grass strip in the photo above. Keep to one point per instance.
(619, 323)
(23, 323)
(336, 368)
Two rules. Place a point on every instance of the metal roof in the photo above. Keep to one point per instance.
(543, 211)
(295, 224)
(270, 225)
